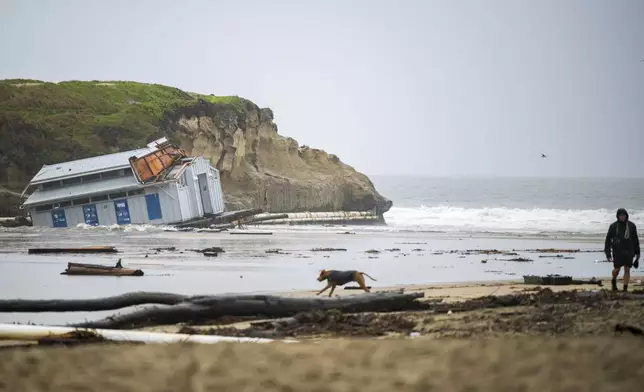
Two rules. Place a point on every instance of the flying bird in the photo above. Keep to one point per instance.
(544, 156)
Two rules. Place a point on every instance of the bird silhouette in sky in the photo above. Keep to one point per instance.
(544, 156)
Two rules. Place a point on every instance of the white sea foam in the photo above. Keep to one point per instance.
(454, 219)
(124, 228)
(504, 220)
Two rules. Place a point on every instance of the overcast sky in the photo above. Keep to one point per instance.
(392, 87)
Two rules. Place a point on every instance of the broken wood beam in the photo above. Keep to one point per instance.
(87, 249)
(94, 304)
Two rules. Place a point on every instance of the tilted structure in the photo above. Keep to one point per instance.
(158, 184)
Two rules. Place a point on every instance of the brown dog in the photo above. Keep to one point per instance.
(339, 278)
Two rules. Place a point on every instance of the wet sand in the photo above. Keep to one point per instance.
(454, 292)
(402, 258)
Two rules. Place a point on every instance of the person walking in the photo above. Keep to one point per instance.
(621, 246)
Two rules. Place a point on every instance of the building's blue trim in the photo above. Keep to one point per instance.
(154, 206)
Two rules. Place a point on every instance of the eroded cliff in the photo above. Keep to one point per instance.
(261, 168)
(43, 123)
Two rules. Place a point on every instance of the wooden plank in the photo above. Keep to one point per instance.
(252, 232)
(86, 249)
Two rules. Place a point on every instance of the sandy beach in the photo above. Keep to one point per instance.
(571, 344)
(477, 312)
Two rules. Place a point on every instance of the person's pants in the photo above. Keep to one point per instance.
(619, 262)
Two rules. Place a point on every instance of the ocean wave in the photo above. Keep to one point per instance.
(504, 220)
(124, 228)
(431, 219)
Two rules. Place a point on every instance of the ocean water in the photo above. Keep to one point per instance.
(509, 205)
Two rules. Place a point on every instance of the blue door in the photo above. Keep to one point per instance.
(154, 206)
(122, 212)
(91, 217)
(58, 216)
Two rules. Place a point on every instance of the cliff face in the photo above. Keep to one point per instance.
(259, 167)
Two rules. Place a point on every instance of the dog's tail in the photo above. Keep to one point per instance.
(366, 274)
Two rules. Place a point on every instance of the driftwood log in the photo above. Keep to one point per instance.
(87, 249)
(207, 308)
(91, 305)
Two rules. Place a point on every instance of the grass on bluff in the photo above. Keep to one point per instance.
(105, 102)
(44, 122)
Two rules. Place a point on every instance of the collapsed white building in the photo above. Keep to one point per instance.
(158, 184)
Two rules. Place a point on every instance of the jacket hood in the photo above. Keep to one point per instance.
(622, 211)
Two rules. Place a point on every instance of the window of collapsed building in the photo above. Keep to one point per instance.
(71, 181)
(110, 174)
(51, 185)
(44, 207)
(63, 204)
(99, 198)
(91, 178)
(117, 195)
(79, 202)
(136, 192)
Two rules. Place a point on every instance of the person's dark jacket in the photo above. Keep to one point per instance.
(622, 243)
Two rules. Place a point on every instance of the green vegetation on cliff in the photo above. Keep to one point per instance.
(43, 123)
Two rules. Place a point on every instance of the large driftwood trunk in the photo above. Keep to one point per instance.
(80, 305)
(206, 308)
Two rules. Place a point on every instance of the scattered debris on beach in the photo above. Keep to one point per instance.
(276, 251)
(554, 250)
(558, 280)
(372, 251)
(74, 338)
(519, 260)
(318, 323)
(538, 311)
(513, 252)
(533, 311)
(251, 232)
(166, 249)
(212, 249)
(328, 250)
(556, 257)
